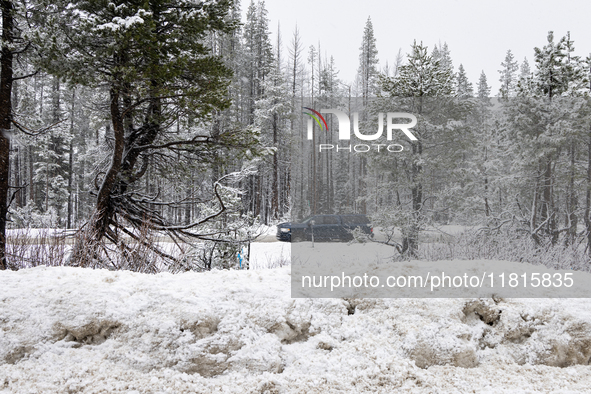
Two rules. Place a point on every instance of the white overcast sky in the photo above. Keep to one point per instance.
(478, 33)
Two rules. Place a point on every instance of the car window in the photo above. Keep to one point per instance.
(322, 219)
(355, 219)
(330, 219)
(316, 219)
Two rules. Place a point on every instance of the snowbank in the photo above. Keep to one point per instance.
(73, 330)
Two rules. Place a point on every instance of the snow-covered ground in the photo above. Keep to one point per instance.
(73, 330)
(269, 255)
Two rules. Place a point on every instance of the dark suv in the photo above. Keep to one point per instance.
(324, 228)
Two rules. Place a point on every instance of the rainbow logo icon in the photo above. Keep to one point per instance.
(315, 115)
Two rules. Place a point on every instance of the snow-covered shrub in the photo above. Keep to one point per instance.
(399, 228)
(207, 255)
(227, 236)
(509, 246)
(28, 248)
(30, 217)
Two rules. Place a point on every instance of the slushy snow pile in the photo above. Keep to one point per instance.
(74, 330)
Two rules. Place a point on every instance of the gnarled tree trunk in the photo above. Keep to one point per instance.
(88, 241)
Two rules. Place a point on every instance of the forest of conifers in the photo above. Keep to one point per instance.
(126, 118)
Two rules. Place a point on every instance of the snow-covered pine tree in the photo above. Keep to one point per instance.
(296, 71)
(508, 76)
(419, 84)
(368, 63)
(442, 54)
(483, 89)
(367, 76)
(575, 69)
(542, 128)
(551, 80)
(551, 76)
(525, 83)
(331, 93)
(422, 75)
(258, 61)
(258, 52)
(155, 62)
(464, 87)
(271, 113)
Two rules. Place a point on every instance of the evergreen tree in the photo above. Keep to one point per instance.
(558, 71)
(508, 77)
(270, 117)
(525, 83)
(368, 62)
(296, 81)
(422, 75)
(551, 76)
(154, 61)
(442, 56)
(576, 70)
(483, 90)
(367, 75)
(258, 52)
(541, 123)
(423, 83)
(464, 87)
